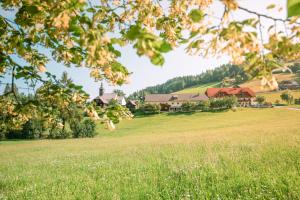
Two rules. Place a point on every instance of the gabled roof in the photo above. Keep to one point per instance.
(132, 102)
(212, 92)
(107, 97)
(175, 97)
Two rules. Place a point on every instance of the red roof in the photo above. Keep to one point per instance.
(212, 92)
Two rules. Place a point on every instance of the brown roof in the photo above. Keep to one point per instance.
(132, 102)
(175, 97)
(212, 92)
(107, 97)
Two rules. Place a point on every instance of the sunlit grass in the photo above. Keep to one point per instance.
(249, 154)
(273, 97)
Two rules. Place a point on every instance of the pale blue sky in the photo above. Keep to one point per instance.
(178, 63)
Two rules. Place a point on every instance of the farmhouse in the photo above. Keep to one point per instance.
(289, 85)
(244, 95)
(132, 105)
(104, 98)
(173, 102)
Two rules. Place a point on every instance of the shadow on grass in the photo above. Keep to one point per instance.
(180, 113)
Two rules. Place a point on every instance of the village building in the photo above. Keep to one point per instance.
(245, 95)
(173, 102)
(105, 98)
(132, 105)
(289, 85)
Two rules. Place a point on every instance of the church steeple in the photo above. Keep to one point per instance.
(101, 90)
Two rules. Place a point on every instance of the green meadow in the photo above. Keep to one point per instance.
(248, 154)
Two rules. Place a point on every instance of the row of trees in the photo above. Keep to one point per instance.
(232, 72)
(211, 105)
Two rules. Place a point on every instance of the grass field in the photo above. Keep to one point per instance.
(274, 96)
(248, 154)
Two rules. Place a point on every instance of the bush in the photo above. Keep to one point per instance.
(203, 105)
(260, 99)
(85, 128)
(287, 96)
(33, 129)
(188, 106)
(224, 103)
(150, 108)
(2, 135)
(297, 101)
(58, 133)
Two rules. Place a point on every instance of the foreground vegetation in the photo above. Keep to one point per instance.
(249, 154)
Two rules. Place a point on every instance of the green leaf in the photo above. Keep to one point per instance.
(92, 10)
(271, 6)
(196, 15)
(157, 59)
(293, 7)
(165, 47)
(133, 32)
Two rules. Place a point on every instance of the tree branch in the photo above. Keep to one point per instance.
(265, 16)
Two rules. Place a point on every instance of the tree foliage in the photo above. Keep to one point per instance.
(149, 108)
(287, 97)
(260, 99)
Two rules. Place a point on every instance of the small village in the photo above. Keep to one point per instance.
(244, 97)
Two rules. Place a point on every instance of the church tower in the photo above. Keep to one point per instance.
(101, 90)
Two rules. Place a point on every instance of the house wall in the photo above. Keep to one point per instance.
(123, 102)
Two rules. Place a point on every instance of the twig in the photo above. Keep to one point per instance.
(265, 16)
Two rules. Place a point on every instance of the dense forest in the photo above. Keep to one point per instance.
(225, 74)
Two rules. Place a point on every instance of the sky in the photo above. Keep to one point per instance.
(177, 62)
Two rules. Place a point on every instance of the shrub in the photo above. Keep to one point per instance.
(85, 128)
(287, 97)
(188, 106)
(203, 105)
(224, 103)
(297, 101)
(150, 108)
(33, 129)
(260, 99)
(2, 135)
(58, 133)
(230, 101)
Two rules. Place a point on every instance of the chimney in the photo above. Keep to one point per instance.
(101, 90)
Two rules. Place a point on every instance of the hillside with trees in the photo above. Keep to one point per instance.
(223, 76)
(226, 74)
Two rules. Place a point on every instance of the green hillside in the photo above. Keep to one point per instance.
(198, 88)
(253, 84)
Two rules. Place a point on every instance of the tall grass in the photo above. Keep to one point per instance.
(250, 154)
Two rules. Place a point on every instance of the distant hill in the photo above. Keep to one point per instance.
(253, 84)
(271, 96)
(223, 76)
(256, 86)
(201, 81)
